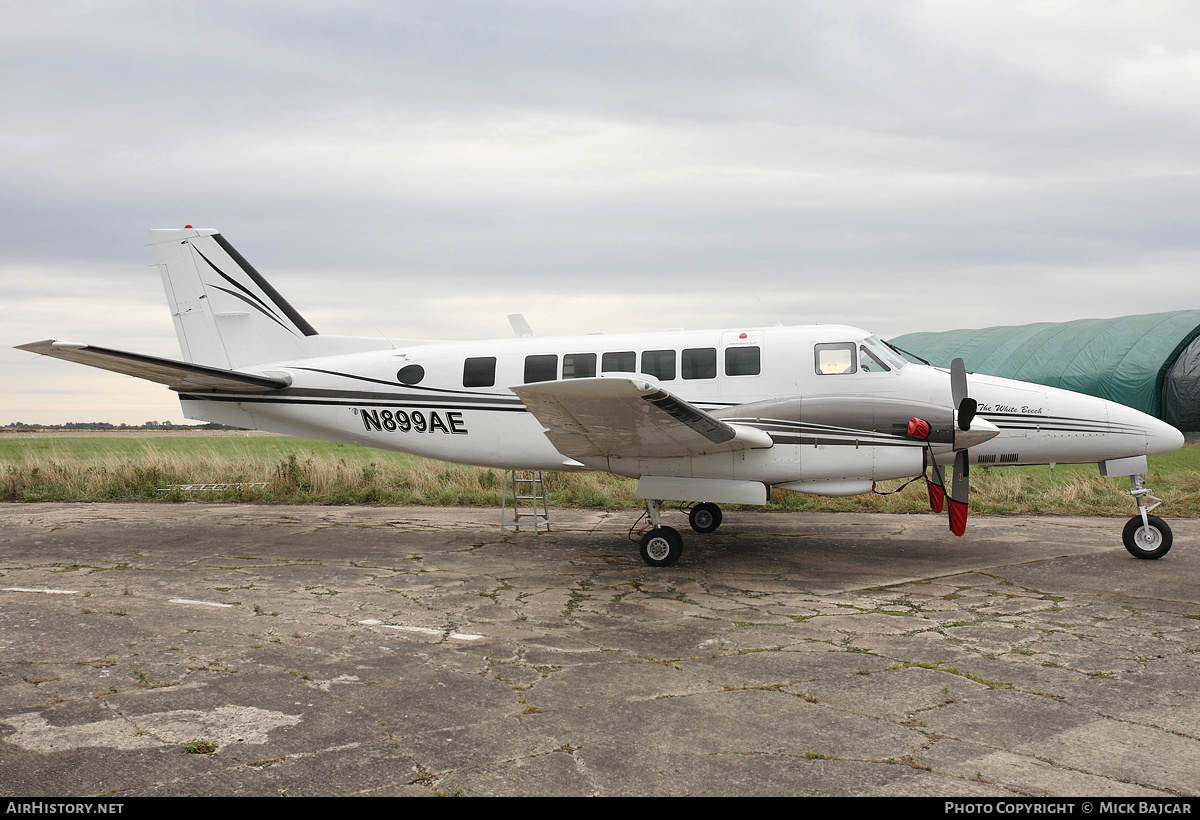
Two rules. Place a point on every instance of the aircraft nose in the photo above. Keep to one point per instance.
(1162, 438)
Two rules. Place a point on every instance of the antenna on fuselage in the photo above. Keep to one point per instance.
(769, 312)
(385, 336)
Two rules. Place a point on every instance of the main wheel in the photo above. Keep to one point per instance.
(1153, 541)
(705, 517)
(661, 547)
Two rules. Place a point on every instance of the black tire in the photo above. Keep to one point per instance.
(705, 517)
(1143, 543)
(661, 547)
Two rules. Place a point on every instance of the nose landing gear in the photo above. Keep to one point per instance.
(1145, 535)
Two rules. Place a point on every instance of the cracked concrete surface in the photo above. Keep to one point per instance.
(363, 650)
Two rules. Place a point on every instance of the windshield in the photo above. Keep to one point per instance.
(888, 357)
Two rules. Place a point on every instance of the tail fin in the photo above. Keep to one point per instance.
(226, 314)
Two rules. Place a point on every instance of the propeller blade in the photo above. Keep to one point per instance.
(967, 407)
(958, 381)
(936, 483)
(960, 489)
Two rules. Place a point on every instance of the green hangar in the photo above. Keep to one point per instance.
(1149, 362)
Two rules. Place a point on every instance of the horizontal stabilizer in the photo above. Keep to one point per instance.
(174, 374)
(629, 418)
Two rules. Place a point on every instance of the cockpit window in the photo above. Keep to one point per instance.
(835, 359)
(888, 357)
(868, 362)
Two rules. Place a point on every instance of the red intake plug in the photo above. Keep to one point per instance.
(918, 428)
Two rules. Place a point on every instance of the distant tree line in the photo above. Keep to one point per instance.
(104, 425)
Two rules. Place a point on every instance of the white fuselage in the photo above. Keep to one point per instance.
(458, 406)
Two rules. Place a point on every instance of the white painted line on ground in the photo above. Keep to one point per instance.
(43, 591)
(423, 630)
(197, 603)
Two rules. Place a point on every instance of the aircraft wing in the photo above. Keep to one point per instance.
(174, 374)
(629, 418)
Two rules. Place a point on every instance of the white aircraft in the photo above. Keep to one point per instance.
(706, 417)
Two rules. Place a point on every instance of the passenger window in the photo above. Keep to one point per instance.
(699, 363)
(834, 359)
(479, 372)
(411, 374)
(623, 362)
(579, 365)
(868, 362)
(743, 361)
(541, 368)
(659, 363)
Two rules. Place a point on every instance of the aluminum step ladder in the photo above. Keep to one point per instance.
(528, 506)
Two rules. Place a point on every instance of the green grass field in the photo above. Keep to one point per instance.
(99, 468)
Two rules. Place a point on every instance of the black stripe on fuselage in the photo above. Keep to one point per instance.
(336, 399)
(780, 430)
(1058, 424)
(446, 390)
(307, 394)
(783, 426)
(861, 441)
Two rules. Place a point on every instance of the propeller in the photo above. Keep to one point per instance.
(960, 427)
(960, 481)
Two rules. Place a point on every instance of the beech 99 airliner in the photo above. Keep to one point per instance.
(703, 417)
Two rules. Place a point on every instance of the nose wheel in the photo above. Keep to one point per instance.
(1145, 535)
(1149, 539)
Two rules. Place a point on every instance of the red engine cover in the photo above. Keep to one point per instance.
(918, 428)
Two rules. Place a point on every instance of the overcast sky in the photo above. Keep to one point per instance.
(422, 169)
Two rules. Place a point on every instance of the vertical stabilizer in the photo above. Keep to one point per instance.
(226, 314)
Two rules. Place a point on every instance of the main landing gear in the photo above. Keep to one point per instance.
(1145, 535)
(705, 517)
(661, 546)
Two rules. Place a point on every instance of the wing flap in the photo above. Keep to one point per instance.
(629, 418)
(176, 375)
